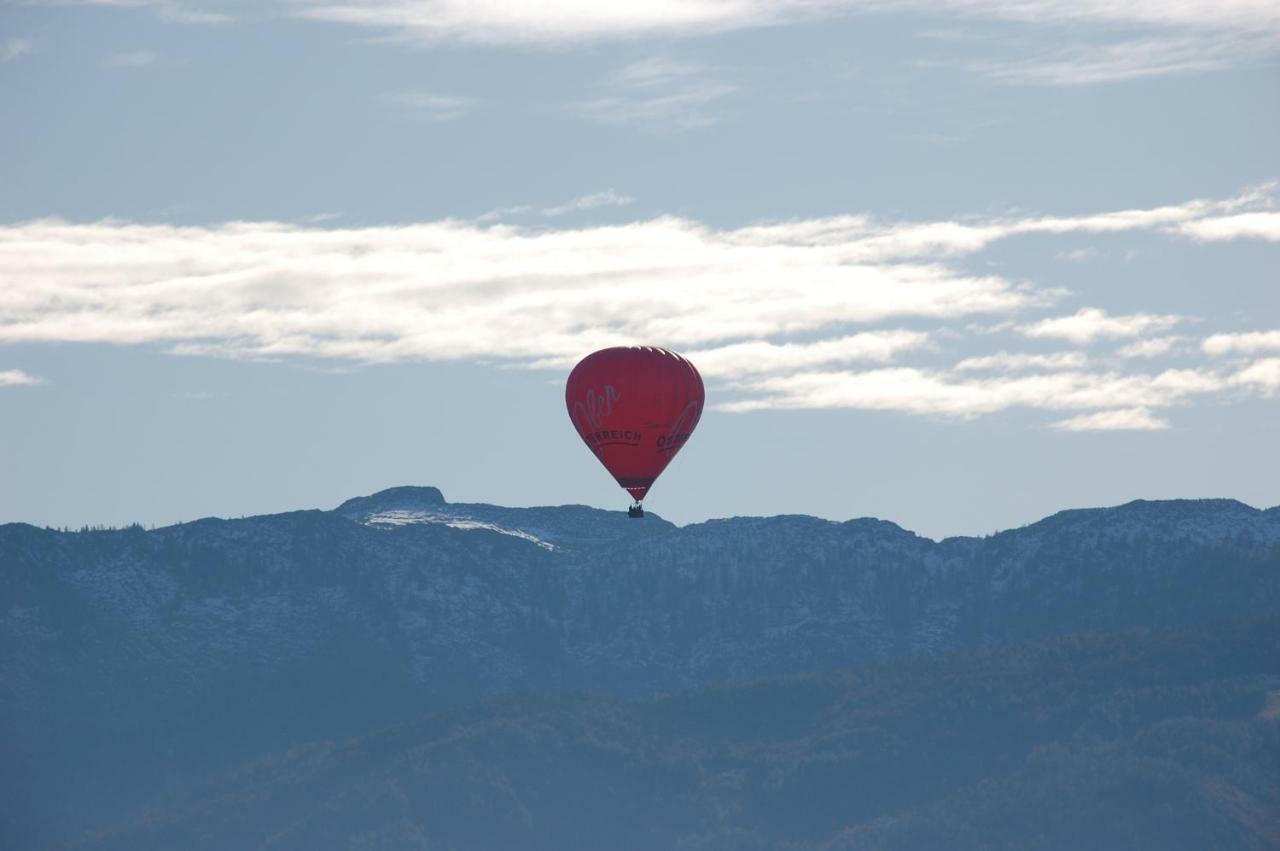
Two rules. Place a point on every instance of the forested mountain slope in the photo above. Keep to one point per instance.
(133, 660)
(1138, 739)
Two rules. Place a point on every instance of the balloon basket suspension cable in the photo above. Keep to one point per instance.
(636, 510)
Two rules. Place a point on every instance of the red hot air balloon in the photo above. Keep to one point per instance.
(634, 407)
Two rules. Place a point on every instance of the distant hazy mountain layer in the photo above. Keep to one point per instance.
(1165, 740)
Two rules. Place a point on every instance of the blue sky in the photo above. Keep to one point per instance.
(955, 264)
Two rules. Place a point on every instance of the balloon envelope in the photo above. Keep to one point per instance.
(634, 407)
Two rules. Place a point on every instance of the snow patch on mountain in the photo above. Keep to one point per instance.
(406, 518)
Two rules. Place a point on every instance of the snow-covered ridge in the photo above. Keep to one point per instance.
(407, 518)
(553, 528)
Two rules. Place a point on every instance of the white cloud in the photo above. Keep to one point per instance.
(1211, 14)
(917, 391)
(775, 312)
(1160, 55)
(503, 212)
(500, 22)
(182, 14)
(1256, 225)
(453, 290)
(427, 105)
(1078, 255)
(1247, 342)
(876, 241)
(1090, 323)
(1262, 374)
(1156, 38)
(1152, 348)
(558, 21)
(591, 201)
(759, 356)
(13, 49)
(1119, 419)
(1169, 37)
(607, 198)
(659, 94)
(132, 59)
(1013, 361)
(18, 378)
(169, 10)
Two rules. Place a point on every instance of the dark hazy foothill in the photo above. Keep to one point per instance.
(135, 666)
(1141, 739)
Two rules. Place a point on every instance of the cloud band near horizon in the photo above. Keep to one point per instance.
(812, 313)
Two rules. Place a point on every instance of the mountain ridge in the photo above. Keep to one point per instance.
(217, 638)
(418, 496)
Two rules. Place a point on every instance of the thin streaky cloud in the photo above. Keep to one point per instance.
(503, 212)
(1078, 255)
(187, 15)
(1152, 348)
(497, 22)
(168, 10)
(132, 59)
(690, 108)
(1091, 323)
(761, 356)
(1120, 61)
(882, 241)
(1118, 419)
(758, 357)
(1015, 361)
(18, 378)
(920, 391)
(659, 94)
(1180, 37)
(1248, 15)
(590, 201)
(13, 49)
(428, 106)
(1246, 342)
(607, 198)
